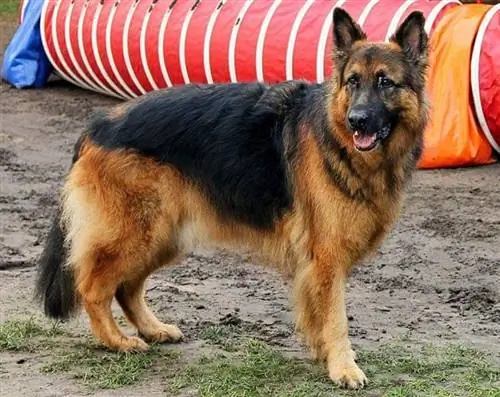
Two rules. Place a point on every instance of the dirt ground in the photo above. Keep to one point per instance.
(436, 278)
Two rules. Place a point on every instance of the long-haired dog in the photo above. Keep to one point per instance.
(310, 176)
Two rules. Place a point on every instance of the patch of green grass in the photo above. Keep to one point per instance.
(256, 371)
(224, 336)
(252, 368)
(394, 371)
(9, 8)
(453, 370)
(103, 371)
(86, 361)
(25, 334)
(100, 369)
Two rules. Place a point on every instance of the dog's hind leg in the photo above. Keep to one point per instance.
(131, 297)
(97, 284)
(120, 210)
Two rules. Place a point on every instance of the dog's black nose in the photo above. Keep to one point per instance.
(358, 119)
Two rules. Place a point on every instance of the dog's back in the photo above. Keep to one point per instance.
(226, 139)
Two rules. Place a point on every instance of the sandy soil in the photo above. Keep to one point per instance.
(436, 277)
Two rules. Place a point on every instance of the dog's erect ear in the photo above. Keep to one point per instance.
(345, 32)
(412, 38)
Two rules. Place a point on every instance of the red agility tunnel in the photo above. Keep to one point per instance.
(129, 47)
(485, 76)
(126, 48)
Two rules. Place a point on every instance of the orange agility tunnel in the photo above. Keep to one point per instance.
(126, 48)
(454, 137)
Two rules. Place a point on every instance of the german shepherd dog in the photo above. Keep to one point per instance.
(309, 176)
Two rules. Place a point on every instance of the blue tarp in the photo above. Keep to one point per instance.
(25, 63)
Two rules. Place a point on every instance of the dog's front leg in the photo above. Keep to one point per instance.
(340, 357)
(321, 316)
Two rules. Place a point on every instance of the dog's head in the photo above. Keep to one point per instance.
(378, 87)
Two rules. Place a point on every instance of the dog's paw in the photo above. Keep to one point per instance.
(165, 333)
(132, 344)
(347, 375)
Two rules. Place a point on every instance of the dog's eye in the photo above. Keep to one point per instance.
(385, 82)
(353, 81)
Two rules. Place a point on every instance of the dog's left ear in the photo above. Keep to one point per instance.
(412, 38)
(345, 33)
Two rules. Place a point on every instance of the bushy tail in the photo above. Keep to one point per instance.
(55, 285)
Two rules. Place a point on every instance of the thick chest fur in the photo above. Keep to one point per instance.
(355, 225)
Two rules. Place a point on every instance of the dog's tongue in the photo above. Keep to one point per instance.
(364, 141)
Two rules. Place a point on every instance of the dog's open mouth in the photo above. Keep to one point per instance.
(364, 141)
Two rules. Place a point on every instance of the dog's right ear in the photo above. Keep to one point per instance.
(412, 38)
(345, 33)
